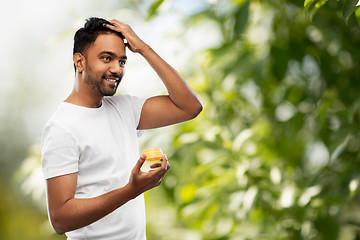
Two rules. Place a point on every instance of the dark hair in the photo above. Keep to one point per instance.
(87, 35)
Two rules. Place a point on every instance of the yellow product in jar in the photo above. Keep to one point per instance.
(153, 156)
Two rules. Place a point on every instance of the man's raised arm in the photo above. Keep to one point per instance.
(180, 105)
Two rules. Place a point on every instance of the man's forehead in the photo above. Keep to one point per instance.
(108, 42)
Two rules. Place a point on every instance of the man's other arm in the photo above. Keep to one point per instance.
(68, 213)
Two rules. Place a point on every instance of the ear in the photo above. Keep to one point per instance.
(79, 61)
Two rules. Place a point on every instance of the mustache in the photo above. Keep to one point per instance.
(113, 76)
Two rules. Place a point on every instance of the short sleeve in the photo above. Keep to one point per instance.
(60, 152)
(137, 105)
(129, 107)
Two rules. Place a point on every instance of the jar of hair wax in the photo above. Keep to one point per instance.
(153, 156)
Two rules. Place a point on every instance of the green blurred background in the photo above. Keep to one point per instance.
(273, 155)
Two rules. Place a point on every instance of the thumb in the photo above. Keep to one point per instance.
(140, 162)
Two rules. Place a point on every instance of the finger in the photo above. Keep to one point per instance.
(165, 163)
(108, 25)
(114, 21)
(160, 169)
(156, 165)
(168, 166)
(140, 162)
(117, 23)
(113, 25)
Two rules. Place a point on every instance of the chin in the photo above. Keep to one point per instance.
(109, 94)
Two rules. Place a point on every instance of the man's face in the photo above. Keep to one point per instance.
(105, 62)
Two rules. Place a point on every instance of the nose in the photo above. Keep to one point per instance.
(115, 68)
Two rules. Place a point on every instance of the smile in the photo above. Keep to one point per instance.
(112, 80)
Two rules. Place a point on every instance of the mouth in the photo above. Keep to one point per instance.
(113, 80)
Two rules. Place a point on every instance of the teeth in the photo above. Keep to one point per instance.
(111, 80)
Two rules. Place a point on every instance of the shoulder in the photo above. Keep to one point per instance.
(60, 121)
(60, 115)
(63, 119)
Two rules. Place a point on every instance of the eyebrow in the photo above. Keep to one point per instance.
(112, 54)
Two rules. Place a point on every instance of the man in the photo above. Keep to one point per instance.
(89, 146)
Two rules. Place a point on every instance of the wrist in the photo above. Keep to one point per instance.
(145, 49)
(131, 191)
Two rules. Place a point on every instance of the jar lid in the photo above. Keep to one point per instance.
(153, 154)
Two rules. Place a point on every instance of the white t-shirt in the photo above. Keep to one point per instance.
(101, 145)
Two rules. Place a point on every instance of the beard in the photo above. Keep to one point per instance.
(99, 84)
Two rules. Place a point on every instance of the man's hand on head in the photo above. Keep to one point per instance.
(134, 43)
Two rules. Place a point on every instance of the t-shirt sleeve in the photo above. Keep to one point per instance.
(60, 152)
(130, 108)
(137, 104)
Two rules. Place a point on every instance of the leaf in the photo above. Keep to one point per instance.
(153, 9)
(349, 9)
(312, 6)
(307, 3)
(241, 19)
(309, 8)
(320, 4)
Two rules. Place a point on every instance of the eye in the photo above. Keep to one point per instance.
(122, 63)
(106, 58)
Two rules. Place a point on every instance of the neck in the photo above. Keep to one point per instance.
(85, 101)
(84, 96)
